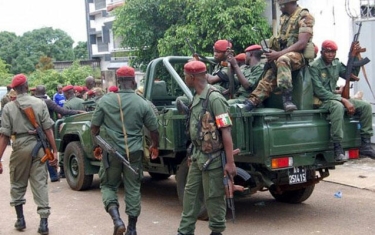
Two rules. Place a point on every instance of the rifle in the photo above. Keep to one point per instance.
(197, 56)
(265, 49)
(351, 63)
(29, 112)
(230, 187)
(109, 149)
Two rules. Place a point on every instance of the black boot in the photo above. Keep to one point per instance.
(62, 172)
(182, 108)
(131, 226)
(119, 228)
(213, 233)
(43, 226)
(366, 149)
(339, 152)
(248, 105)
(287, 102)
(20, 223)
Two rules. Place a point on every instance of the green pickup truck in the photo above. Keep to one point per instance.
(285, 153)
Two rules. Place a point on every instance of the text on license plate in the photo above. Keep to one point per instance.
(297, 175)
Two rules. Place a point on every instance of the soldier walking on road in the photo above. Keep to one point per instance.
(210, 179)
(120, 117)
(22, 166)
(325, 71)
(290, 51)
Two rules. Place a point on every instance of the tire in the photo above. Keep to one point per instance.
(158, 176)
(181, 177)
(74, 167)
(294, 196)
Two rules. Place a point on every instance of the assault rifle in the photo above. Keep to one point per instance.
(351, 63)
(29, 112)
(109, 149)
(196, 55)
(230, 187)
(265, 49)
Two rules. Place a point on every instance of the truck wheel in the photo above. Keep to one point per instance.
(159, 176)
(74, 166)
(181, 177)
(294, 196)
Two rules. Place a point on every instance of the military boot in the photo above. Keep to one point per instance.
(119, 228)
(366, 149)
(287, 102)
(339, 152)
(62, 172)
(215, 233)
(248, 105)
(131, 226)
(43, 226)
(20, 223)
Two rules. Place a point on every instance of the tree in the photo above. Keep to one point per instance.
(9, 44)
(80, 51)
(5, 76)
(165, 25)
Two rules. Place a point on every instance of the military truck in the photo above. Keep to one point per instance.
(284, 153)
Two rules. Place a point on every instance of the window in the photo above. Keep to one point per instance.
(367, 8)
(100, 4)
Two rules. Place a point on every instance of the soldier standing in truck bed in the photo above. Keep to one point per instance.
(120, 117)
(290, 51)
(22, 166)
(211, 179)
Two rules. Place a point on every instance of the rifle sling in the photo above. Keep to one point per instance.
(123, 128)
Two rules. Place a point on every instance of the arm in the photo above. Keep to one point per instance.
(230, 166)
(56, 108)
(3, 144)
(237, 70)
(155, 144)
(212, 79)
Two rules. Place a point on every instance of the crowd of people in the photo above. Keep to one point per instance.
(120, 116)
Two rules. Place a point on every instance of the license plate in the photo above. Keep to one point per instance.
(297, 175)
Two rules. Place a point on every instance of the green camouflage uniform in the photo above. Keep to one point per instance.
(282, 79)
(23, 167)
(324, 79)
(253, 75)
(222, 72)
(137, 112)
(208, 182)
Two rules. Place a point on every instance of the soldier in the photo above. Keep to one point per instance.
(249, 74)
(290, 51)
(72, 102)
(113, 89)
(220, 76)
(116, 123)
(6, 98)
(90, 82)
(211, 179)
(24, 167)
(325, 71)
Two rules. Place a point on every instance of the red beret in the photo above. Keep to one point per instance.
(329, 45)
(125, 71)
(78, 88)
(90, 92)
(222, 45)
(240, 57)
(85, 88)
(67, 88)
(253, 48)
(194, 67)
(113, 89)
(18, 80)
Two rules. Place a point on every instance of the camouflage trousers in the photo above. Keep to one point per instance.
(280, 80)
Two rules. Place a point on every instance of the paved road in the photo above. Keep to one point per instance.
(82, 213)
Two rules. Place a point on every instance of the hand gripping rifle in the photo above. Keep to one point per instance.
(351, 63)
(109, 149)
(29, 112)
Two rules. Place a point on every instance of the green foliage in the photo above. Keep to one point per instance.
(80, 51)
(160, 27)
(5, 76)
(74, 75)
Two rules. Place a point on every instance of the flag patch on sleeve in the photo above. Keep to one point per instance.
(223, 120)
